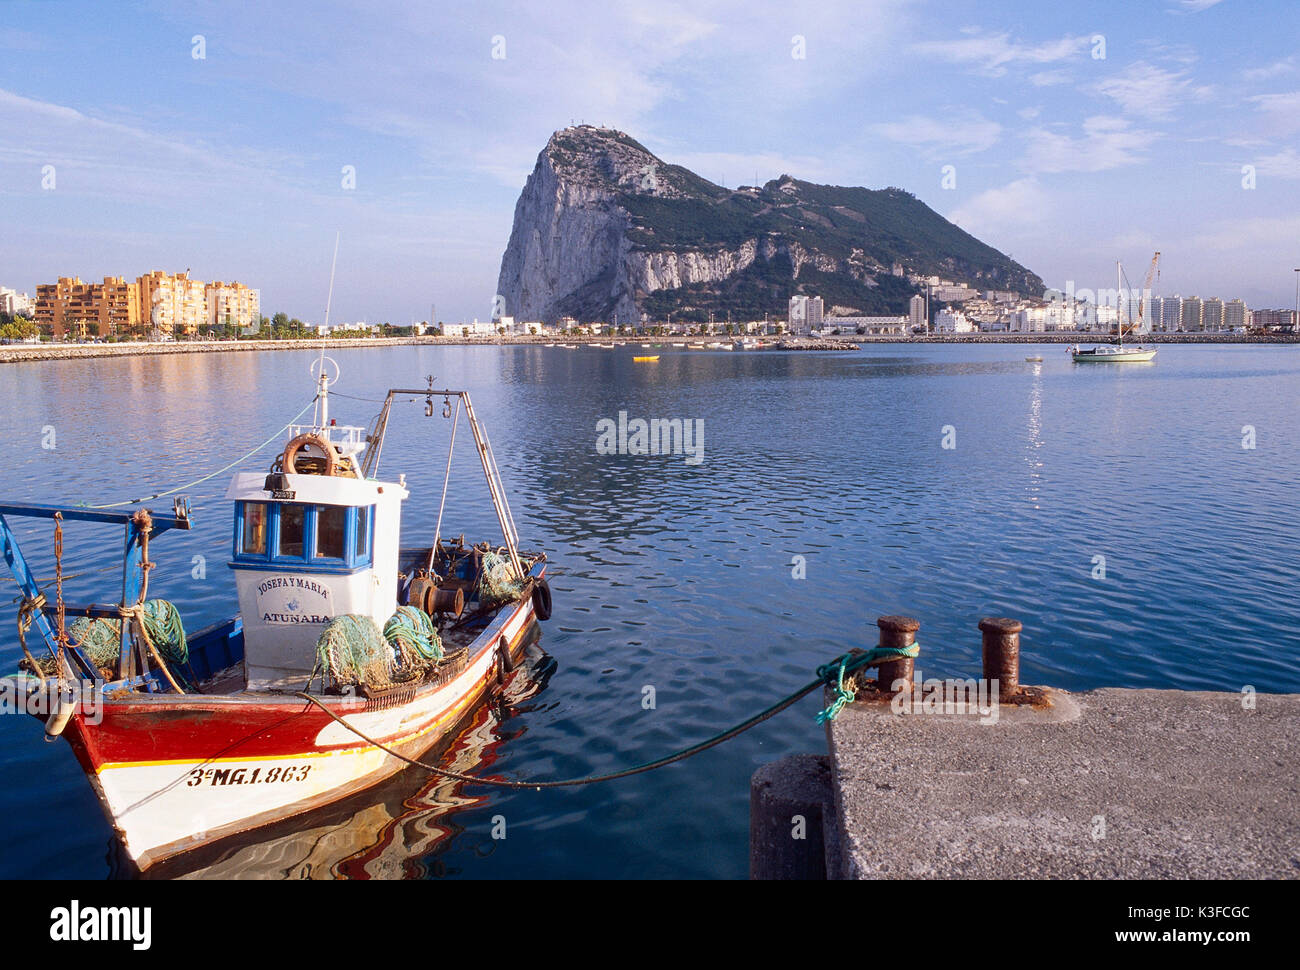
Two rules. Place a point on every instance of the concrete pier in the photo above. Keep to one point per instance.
(791, 810)
(1107, 784)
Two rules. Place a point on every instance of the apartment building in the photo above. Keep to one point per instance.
(805, 314)
(232, 305)
(172, 303)
(15, 304)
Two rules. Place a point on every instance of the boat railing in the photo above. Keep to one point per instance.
(347, 438)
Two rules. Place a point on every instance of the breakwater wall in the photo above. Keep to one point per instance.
(17, 353)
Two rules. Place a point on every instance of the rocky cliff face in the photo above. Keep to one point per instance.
(604, 230)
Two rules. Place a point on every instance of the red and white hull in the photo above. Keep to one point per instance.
(176, 772)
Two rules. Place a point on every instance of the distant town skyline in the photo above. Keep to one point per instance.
(234, 142)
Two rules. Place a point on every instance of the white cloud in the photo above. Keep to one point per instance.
(1044, 79)
(958, 135)
(1281, 111)
(1007, 212)
(1147, 91)
(993, 53)
(1196, 6)
(1106, 143)
(1286, 65)
(1285, 164)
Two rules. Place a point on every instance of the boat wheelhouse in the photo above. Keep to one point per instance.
(349, 653)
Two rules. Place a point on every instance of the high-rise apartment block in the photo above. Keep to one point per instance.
(805, 314)
(1212, 314)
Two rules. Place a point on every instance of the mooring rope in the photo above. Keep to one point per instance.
(848, 663)
(200, 481)
(847, 695)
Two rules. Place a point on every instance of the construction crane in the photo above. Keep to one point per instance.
(1152, 272)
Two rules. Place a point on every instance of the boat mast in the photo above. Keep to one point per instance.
(1119, 296)
(322, 416)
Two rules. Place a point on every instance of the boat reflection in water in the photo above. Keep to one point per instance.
(400, 829)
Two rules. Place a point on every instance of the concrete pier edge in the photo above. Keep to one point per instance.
(1113, 783)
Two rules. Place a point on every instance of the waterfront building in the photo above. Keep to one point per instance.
(805, 315)
(952, 321)
(879, 326)
(916, 312)
(1191, 318)
(1027, 320)
(155, 304)
(1212, 314)
(478, 328)
(16, 304)
(72, 307)
(232, 305)
(1171, 308)
(1153, 310)
(1236, 316)
(1274, 320)
(172, 304)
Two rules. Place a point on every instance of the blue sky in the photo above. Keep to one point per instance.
(1079, 134)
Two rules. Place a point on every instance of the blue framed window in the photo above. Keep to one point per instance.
(294, 534)
(362, 544)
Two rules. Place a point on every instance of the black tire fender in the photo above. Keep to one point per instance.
(542, 598)
(505, 662)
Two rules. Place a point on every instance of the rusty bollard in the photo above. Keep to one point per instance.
(1002, 654)
(896, 631)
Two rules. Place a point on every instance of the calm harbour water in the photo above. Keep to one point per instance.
(679, 576)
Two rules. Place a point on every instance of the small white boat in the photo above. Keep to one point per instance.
(1110, 354)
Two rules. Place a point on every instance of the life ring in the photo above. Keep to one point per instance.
(324, 464)
(542, 598)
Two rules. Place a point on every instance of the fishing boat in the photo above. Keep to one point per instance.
(1116, 353)
(746, 343)
(349, 652)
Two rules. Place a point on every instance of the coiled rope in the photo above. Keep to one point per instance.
(847, 664)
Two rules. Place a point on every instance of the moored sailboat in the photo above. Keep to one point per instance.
(1116, 353)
